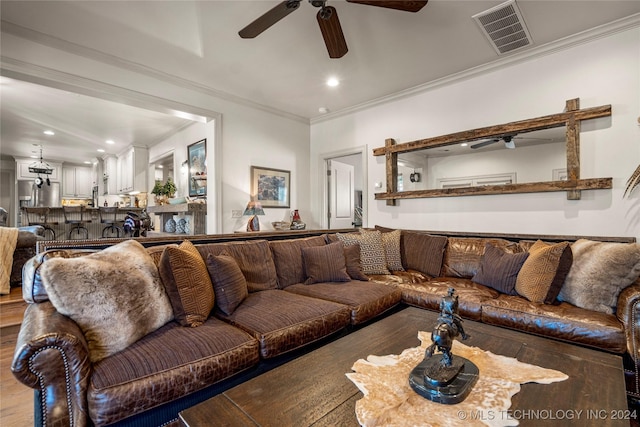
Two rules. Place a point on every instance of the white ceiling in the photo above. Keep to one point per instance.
(284, 69)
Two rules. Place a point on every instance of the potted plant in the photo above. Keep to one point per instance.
(159, 192)
(633, 181)
(170, 188)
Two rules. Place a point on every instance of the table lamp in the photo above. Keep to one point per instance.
(254, 209)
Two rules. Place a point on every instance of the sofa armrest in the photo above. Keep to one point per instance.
(52, 357)
(628, 312)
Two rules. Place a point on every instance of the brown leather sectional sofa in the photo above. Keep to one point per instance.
(183, 366)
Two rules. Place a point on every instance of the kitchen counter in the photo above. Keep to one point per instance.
(91, 221)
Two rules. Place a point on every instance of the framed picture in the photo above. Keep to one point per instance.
(197, 158)
(271, 187)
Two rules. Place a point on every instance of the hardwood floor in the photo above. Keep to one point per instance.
(16, 400)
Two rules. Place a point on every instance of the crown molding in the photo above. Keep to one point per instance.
(620, 25)
(112, 60)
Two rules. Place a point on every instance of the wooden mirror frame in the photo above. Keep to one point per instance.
(571, 118)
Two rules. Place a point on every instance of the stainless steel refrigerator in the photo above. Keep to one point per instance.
(45, 195)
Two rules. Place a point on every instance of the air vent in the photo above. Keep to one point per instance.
(504, 27)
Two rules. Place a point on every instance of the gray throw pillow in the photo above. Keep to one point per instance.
(600, 271)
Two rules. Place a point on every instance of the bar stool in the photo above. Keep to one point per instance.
(121, 216)
(40, 216)
(75, 216)
(109, 216)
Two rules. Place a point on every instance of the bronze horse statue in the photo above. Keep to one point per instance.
(449, 326)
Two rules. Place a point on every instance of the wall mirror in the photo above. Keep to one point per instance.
(534, 155)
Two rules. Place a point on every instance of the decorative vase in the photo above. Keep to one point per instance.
(170, 226)
(296, 222)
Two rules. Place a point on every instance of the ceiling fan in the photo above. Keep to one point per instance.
(508, 142)
(327, 20)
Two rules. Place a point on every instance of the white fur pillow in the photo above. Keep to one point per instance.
(115, 295)
(600, 270)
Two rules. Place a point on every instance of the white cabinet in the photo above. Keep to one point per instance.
(77, 181)
(22, 170)
(110, 175)
(132, 168)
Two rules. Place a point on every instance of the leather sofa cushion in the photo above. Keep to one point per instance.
(463, 255)
(283, 321)
(365, 299)
(564, 321)
(428, 295)
(165, 365)
(287, 257)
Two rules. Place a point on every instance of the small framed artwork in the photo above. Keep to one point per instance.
(271, 187)
(197, 158)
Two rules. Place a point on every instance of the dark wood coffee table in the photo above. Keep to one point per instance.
(313, 389)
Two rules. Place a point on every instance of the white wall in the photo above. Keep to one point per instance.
(604, 71)
(177, 144)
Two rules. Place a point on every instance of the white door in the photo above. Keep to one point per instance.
(341, 194)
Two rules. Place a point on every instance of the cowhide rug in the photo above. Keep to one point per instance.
(389, 400)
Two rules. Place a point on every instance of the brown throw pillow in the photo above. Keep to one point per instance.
(352, 261)
(423, 252)
(186, 279)
(391, 243)
(256, 262)
(114, 295)
(325, 264)
(544, 271)
(600, 271)
(499, 269)
(372, 253)
(229, 284)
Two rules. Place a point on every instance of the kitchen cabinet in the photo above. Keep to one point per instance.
(22, 170)
(132, 166)
(77, 181)
(110, 175)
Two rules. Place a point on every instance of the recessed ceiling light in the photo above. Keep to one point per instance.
(464, 144)
(87, 162)
(110, 141)
(333, 82)
(49, 132)
(323, 110)
(100, 150)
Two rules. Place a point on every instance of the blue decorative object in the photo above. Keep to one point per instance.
(170, 226)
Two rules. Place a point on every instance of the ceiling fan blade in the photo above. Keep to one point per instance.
(332, 32)
(484, 143)
(269, 18)
(408, 6)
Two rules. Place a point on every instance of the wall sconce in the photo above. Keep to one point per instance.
(185, 167)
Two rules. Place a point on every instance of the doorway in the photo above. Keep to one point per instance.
(345, 193)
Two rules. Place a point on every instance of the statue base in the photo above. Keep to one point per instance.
(444, 384)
